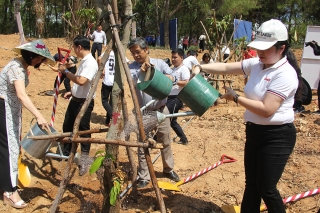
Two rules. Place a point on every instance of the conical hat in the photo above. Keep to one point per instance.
(37, 47)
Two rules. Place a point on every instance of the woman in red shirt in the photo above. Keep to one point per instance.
(248, 53)
(185, 43)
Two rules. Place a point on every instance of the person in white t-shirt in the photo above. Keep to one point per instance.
(225, 51)
(174, 104)
(99, 38)
(191, 59)
(107, 84)
(82, 80)
(202, 42)
(269, 97)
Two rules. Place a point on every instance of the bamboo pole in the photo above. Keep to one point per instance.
(137, 110)
(75, 133)
(66, 134)
(115, 142)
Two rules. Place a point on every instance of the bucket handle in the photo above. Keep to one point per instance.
(30, 127)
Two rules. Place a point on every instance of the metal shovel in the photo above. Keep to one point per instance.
(24, 176)
(174, 187)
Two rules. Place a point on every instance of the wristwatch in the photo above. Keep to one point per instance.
(175, 81)
(235, 98)
(66, 72)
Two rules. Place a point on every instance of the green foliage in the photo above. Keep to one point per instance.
(193, 48)
(238, 7)
(115, 190)
(98, 162)
(87, 14)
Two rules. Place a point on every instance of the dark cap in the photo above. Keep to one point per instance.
(56, 57)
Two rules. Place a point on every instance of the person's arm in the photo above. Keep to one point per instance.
(316, 50)
(80, 80)
(220, 68)
(104, 69)
(92, 36)
(19, 85)
(265, 108)
(55, 69)
(104, 39)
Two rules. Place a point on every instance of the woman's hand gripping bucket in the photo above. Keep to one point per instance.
(37, 148)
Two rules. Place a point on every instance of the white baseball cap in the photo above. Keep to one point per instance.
(268, 34)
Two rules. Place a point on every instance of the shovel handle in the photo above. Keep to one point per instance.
(295, 197)
(66, 56)
(230, 160)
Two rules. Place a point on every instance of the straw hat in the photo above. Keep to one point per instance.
(37, 47)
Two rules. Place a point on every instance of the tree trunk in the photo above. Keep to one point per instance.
(119, 106)
(289, 22)
(5, 18)
(166, 24)
(116, 128)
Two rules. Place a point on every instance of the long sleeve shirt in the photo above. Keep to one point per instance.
(99, 37)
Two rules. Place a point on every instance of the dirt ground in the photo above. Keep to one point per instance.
(219, 131)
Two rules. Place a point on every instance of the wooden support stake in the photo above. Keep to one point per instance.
(115, 142)
(75, 134)
(66, 134)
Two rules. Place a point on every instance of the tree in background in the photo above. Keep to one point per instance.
(77, 16)
(39, 8)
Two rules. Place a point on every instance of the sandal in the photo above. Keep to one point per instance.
(18, 205)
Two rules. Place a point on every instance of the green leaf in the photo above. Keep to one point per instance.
(114, 192)
(96, 164)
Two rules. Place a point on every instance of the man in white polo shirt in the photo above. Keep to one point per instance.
(99, 38)
(82, 84)
(174, 104)
(191, 59)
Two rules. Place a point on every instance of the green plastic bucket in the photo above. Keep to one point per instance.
(159, 86)
(198, 95)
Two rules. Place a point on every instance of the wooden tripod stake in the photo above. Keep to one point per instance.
(66, 178)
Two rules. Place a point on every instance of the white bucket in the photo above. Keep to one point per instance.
(37, 148)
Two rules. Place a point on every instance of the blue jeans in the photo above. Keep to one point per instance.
(267, 150)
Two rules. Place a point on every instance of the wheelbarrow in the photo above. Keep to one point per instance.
(174, 187)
